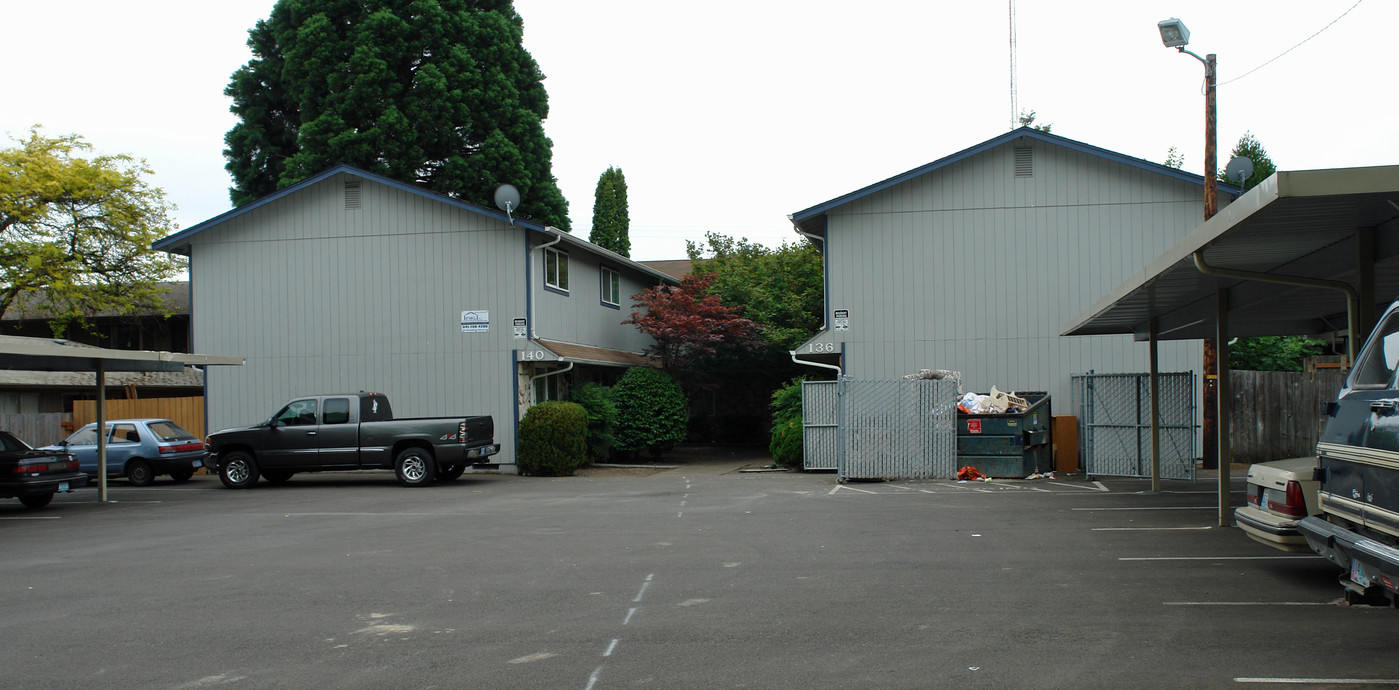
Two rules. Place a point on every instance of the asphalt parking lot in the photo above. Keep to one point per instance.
(697, 576)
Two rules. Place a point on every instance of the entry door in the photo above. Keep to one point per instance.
(293, 440)
(339, 436)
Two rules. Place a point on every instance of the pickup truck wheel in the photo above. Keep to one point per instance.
(239, 471)
(449, 473)
(36, 500)
(414, 467)
(139, 473)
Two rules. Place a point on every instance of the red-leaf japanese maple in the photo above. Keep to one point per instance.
(688, 322)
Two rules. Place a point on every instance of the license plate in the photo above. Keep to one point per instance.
(1271, 496)
(198, 464)
(1357, 573)
(62, 486)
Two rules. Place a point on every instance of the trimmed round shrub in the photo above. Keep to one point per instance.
(786, 443)
(553, 439)
(602, 418)
(652, 414)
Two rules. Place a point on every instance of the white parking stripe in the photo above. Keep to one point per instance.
(1322, 681)
(1248, 603)
(1216, 558)
(1085, 488)
(1151, 508)
(1149, 529)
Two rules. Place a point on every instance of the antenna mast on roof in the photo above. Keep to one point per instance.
(1014, 111)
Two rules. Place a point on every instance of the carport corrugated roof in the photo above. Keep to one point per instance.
(1306, 223)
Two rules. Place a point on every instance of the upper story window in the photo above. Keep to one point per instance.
(555, 269)
(611, 287)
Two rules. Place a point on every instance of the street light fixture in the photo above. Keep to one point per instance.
(1173, 32)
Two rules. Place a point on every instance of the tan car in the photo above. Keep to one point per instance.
(1280, 493)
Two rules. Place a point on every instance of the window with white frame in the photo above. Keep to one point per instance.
(556, 269)
(611, 287)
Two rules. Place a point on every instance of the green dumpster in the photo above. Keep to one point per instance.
(1010, 444)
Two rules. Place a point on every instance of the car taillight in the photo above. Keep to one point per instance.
(1295, 505)
(182, 448)
(1255, 498)
(461, 431)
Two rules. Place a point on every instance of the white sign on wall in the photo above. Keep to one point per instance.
(476, 321)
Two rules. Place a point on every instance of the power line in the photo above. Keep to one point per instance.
(1255, 69)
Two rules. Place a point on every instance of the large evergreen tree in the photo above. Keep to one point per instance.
(611, 224)
(436, 92)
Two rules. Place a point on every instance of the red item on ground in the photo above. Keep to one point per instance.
(970, 474)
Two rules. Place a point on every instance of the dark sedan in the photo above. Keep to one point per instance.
(34, 476)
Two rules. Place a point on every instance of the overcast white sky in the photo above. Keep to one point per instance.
(730, 115)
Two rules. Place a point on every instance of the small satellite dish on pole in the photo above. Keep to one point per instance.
(507, 199)
(1240, 168)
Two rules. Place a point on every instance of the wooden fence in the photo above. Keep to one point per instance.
(35, 428)
(187, 412)
(1279, 414)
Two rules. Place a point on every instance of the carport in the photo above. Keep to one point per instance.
(40, 354)
(1306, 252)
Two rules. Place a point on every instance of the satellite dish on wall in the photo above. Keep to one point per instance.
(1240, 168)
(507, 199)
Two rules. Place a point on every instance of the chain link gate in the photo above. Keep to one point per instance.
(881, 429)
(820, 435)
(1114, 418)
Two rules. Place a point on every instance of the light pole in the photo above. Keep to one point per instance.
(1215, 417)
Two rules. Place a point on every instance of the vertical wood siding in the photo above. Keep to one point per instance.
(973, 269)
(321, 299)
(188, 413)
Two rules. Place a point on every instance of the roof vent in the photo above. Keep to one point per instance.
(352, 196)
(1024, 161)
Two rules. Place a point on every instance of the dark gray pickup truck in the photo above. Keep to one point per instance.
(352, 431)
(1358, 472)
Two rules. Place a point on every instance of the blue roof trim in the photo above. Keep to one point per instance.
(1030, 132)
(181, 239)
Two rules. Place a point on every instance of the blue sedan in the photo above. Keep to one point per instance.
(138, 449)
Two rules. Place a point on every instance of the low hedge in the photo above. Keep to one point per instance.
(553, 439)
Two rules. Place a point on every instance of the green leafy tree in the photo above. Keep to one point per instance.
(1174, 159)
(780, 290)
(652, 413)
(75, 232)
(611, 224)
(1250, 148)
(1027, 119)
(436, 92)
(1273, 353)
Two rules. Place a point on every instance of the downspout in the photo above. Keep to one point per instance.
(825, 294)
(793, 353)
(1352, 296)
(825, 286)
(546, 374)
(530, 315)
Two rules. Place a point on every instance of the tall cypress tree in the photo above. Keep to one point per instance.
(436, 92)
(611, 224)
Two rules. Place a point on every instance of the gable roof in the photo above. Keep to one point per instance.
(812, 220)
(179, 243)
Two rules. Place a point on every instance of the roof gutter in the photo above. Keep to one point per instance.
(1352, 296)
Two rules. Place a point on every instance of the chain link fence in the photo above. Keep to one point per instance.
(881, 429)
(1114, 418)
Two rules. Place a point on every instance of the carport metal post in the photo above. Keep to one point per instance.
(1155, 409)
(1221, 354)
